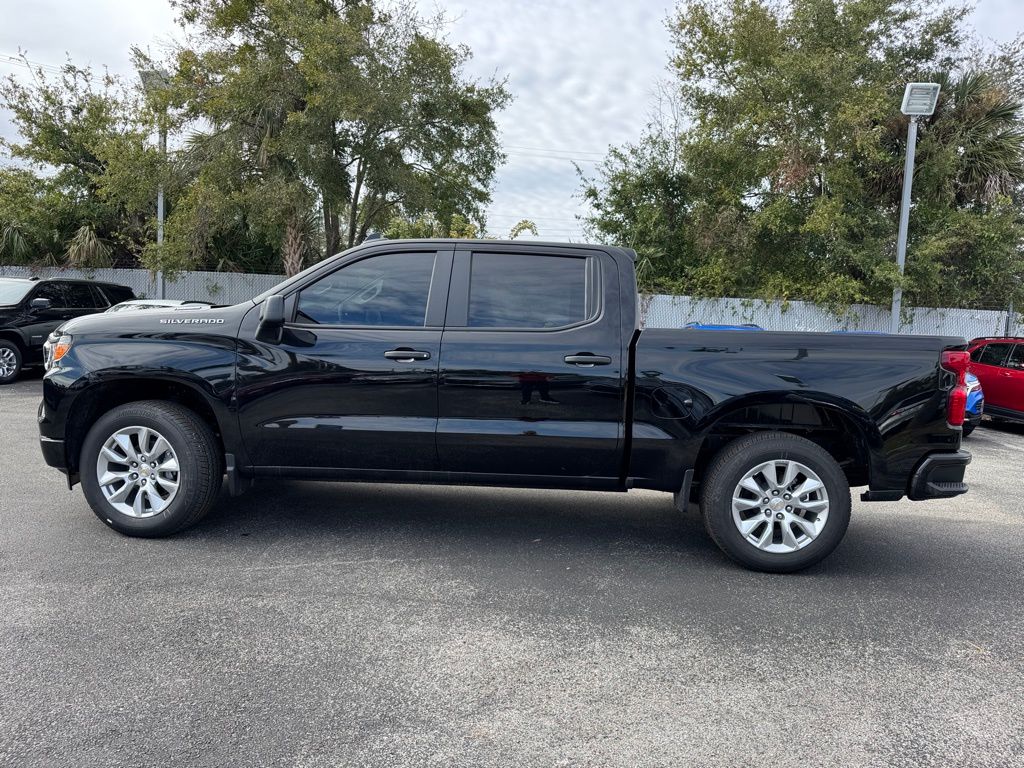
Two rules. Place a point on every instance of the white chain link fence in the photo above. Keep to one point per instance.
(659, 311)
(676, 311)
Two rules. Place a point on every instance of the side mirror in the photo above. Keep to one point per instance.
(271, 320)
(39, 303)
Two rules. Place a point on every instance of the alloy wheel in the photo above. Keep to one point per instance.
(780, 506)
(137, 471)
(8, 362)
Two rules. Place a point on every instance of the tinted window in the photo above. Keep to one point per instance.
(79, 296)
(993, 354)
(117, 293)
(1016, 357)
(51, 291)
(386, 290)
(516, 291)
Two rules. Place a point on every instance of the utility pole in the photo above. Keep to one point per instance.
(161, 288)
(901, 238)
(154, 82)
(919, 100)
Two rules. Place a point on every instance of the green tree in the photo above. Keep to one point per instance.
(53, 205)
(786, 179)
(457, 226)
(340, 109)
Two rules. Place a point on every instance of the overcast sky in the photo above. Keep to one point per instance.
(583, 74)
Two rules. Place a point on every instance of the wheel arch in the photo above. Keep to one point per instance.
(12, 335)
(840, 427)
(102, 396)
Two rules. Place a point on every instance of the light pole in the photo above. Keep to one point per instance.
(154, 81)
(918, 101)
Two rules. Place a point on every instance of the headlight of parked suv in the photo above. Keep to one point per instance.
(56, 346)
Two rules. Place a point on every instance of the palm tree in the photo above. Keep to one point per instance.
(980, 121)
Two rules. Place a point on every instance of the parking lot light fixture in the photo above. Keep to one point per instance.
(919, 100)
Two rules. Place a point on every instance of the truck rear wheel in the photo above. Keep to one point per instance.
(775, 502)
(150, 468)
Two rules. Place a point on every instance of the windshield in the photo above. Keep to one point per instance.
(13, 291)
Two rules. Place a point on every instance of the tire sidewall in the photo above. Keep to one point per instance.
(18, 360)
(168, 520)
(726, 477)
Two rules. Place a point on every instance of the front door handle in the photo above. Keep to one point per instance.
(406, 355)
(587, 361)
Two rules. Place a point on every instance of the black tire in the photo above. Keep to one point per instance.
(8, 349)
(742, 455)
(200, 461)
(968, 428)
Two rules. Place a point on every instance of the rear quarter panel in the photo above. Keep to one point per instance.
(890, 387)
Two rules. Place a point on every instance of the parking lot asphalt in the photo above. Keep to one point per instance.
(310, 624)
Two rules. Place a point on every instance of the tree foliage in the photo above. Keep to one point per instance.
(74, 129)
(357, 112)
(775, 170)
(297, 127)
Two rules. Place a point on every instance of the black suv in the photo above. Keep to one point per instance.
(31, 309)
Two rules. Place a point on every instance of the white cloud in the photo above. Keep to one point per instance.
(583, 76)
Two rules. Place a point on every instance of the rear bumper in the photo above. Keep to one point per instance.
(975, 409)
(939, 476)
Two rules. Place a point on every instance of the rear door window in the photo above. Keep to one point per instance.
(1016, 359)
(520, 291)
(99, 299)
(993, 354)
(79, 296)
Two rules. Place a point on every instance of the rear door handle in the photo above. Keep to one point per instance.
(587, 361)
(406, 355)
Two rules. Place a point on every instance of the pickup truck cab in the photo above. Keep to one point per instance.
(499, 363)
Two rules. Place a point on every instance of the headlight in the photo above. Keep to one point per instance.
(56, 346)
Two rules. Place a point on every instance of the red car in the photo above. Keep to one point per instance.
(998, 363)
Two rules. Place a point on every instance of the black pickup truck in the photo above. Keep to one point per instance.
(507, 364)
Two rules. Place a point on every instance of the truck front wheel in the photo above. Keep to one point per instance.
(775, 502)
(150, 468)
(10, 361)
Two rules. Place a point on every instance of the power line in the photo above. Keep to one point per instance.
(552, 149)
(23, 62)
(562, 219)
(515, 153)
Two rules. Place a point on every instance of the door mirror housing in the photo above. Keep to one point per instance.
(39, 303)
(271, 320)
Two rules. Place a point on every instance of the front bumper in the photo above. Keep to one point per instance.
(53, 453)
(939, 476)
(51, 439)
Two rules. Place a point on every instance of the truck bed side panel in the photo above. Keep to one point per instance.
(890, 387)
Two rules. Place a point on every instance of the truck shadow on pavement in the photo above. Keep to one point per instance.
(434, 521)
